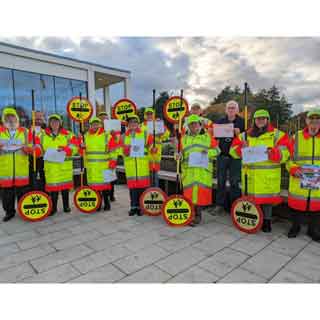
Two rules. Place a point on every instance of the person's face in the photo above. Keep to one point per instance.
(95, 125)
(313, 123)
(103, 117)
(11, 122)
(196, 110)
(39, 119)
(231, 110)
(149, 116)
(133, 124)
(261, 122)
(194, 127)
(54, 124)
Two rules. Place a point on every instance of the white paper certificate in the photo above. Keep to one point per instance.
(254, 154)
(110, 125)
(159, 126)
(198, 160)
(109, 175)
(310, 177)
(52, 155)
(223, 130)
(137, 148)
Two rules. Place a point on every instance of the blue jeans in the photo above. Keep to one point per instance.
(232, 167)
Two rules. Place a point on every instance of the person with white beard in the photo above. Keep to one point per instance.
(15, 147)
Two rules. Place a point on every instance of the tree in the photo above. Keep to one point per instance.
(271, 99)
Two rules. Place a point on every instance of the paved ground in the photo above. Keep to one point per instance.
(112, 247)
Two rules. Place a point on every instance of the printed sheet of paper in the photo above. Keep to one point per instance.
(159, 126)
(310, 178)
(52, 155)
(223, 130)
(198, 160)
(112, 124)
(137, 148)
(254, 154)
(109, 175)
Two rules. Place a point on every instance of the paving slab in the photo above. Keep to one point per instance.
(101, 258)
(194, 275)
(150, 274)
(105, 274)
(60, 257)
(17, 273)
(224, 261)
(266, 263)
(60, 274)
(181, 261)
(140, 259)
(240, 275)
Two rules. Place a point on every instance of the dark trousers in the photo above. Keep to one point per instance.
(111, 192)
(135, 196)
(105, 196)
(227, 166)
(65, 199)
(37, 179)
(9, 196)
(311, 218)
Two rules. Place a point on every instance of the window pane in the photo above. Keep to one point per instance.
(47, 95)
(6, 88)
(65, 90)
(24, 83)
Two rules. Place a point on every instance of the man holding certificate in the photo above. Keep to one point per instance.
(58, 146)
(304, 184)
(198, 150)
(15, 146)
(224, 130)
(100, 160)
(162, 134)
(135, 149)
(262, 148)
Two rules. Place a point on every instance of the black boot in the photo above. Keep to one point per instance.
(139, 212)
(65, 201)
(54, 199)
(132, 212)
(107, 206)
(8, 216)
(266, 226)
(294, 230)
(313, 229)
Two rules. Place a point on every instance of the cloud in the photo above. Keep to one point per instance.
(202, 66)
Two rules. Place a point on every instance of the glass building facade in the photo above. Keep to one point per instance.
(51, 93)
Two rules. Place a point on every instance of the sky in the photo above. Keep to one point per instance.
(202, 66)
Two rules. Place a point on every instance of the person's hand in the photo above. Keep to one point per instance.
(154, 150)
(60, 148)
(204, 152)
(126, 150)
(82, 146)
(177, 156)
(245, 144)
(27, 150)
(112, 164)
(1, 146)
(296, 172)
(236, 131)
